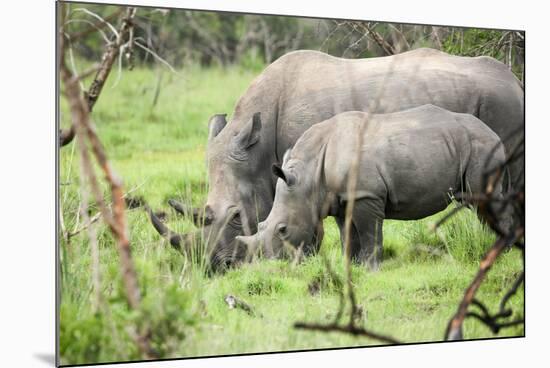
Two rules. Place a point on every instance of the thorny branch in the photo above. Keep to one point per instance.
(377, 37)
(109, 57)
(454, 328)
(493, 208)
(115, 218)
(349, 329)
(493, 320)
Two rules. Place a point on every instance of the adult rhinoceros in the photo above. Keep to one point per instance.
(303, 88)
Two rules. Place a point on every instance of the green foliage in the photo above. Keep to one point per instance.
(171, 315)
(107, 335)
(252, 60)
(465, 42)
(91, 337)
(159, 152)
(505, 46)
(185, 37)
(81, 337)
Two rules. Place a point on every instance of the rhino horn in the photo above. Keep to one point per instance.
(181, 242)
(200, 217)
(216, 124)
(250, 242)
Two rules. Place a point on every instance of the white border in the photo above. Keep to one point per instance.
(27, 181)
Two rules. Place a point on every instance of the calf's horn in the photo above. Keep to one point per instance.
(249, 241)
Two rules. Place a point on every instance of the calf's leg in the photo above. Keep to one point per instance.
(355, 241)
(366, 232)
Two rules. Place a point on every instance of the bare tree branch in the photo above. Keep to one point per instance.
(156, 56)
(454, 329)
(115, 219)
(377, 37)
(108, 59)
(348, 329)
(494, 208)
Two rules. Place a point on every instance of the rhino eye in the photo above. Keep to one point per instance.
(208, 216)
(236, 218)
(282, 231)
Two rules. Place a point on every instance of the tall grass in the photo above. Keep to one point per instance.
(159, 150)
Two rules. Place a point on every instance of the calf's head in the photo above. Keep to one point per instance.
(296, 217)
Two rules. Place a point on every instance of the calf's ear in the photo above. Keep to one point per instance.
(287, 177)
(216, 124)
(250, 134)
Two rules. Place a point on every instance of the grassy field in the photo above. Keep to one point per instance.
(159, 150)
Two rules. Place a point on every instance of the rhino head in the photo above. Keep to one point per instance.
(296, 217)
(240, 191)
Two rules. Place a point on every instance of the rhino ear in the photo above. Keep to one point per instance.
(320, 171)
(287, 177)
(250, 134)
(216, 124)
(286, 156)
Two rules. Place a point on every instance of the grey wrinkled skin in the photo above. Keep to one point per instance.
(410, 163)
(303, 88)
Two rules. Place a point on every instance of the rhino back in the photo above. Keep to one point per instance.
(303, 88)
(412, 159)
(308, 87)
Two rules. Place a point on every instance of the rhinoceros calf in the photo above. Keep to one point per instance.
(303, 88)
(409, 163)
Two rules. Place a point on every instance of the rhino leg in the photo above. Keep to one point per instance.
(366, 232)
(355, 241)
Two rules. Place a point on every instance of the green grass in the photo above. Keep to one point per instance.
(159, 151)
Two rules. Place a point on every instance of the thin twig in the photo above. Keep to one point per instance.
(156, 56)
(87, 223)
(93, 27)
(377, 37)
(348, 329)
(101, 20)
(113, 48)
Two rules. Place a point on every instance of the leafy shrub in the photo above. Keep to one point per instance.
(108, 335)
